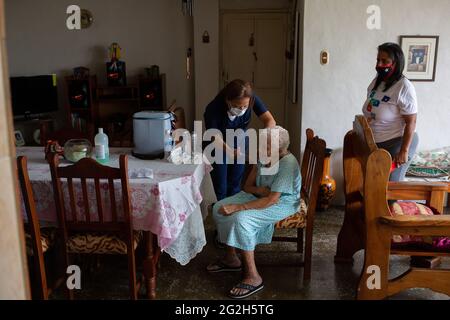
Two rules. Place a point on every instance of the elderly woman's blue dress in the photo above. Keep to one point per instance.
(246, 229)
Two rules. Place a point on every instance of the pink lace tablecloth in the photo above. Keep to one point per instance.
(162, 203)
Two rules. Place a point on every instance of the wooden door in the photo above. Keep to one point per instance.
(253, 49)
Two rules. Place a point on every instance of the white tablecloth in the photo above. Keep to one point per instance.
(169, 204)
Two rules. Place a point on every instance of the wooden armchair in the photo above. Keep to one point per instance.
(108, 230)
(371, 170)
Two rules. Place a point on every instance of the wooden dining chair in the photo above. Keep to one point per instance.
(65, 134)
(38, 241)
(107, 231)
(303, 221)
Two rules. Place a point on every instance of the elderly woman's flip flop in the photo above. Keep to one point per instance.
(219, 266)
(251, 290)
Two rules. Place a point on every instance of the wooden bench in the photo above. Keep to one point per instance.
(352, 236)
(371, 188)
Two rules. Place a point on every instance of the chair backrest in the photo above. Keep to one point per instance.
(122, 138)
(34, 228)
(312, 171)
(179, 121)
(92, 176)
(367, 169)
(66, 134)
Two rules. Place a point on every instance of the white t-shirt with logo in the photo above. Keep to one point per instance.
(385, 110)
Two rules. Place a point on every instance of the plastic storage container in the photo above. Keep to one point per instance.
(150, 134)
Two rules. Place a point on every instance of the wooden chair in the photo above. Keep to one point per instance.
(38, 241)
(303, 221)
(84, 232)
(372, 170)
(179, 121)
(121, 138)
(66, 134)
(352, 236)
(311, 171)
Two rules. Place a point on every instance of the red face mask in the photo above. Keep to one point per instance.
(386, 71)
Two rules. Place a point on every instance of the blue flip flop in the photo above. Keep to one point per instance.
(251, 290)
(222, 267)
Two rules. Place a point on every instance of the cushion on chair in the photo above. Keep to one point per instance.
(47, 239)
(296, 221)
(409, 208)
(99, 243)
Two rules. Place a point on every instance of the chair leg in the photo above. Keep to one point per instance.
(132, 274)
(300, 240)
(308, 254)
(373, 284)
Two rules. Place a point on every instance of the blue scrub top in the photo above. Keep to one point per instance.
(216, 116)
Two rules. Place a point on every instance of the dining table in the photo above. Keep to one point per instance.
(169, 204)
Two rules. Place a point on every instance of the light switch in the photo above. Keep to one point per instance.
(324, 57)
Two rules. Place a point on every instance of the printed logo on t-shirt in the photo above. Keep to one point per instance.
(386, 99)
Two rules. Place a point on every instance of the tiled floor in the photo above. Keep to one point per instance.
(276, 262)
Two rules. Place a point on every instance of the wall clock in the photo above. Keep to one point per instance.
(86, 18)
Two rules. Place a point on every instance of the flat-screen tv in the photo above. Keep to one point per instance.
(34, 95)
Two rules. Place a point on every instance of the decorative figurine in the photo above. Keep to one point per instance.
(115, 69)
(53, 147)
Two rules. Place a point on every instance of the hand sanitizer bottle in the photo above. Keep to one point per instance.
(101, 147)
(168, 143)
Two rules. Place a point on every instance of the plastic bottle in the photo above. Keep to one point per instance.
(194, 146)
(101, 147)
(168, 143)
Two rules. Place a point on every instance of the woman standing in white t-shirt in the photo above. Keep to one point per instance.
(391, 109)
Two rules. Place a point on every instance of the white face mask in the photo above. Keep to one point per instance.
(236, 112)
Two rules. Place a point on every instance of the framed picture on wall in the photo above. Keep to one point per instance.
(421, 57)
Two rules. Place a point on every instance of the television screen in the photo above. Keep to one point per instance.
(34, 95)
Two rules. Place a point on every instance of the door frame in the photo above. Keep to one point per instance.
(222, 12)
(14, 277)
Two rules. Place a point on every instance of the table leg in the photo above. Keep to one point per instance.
(151, 258)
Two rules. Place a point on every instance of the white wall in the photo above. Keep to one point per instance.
(149, 32)
(333, 94)
(206, 18)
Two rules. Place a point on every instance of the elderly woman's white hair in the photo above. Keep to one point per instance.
(283, 136)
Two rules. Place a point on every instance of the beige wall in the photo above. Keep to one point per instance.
(333, 94)
(149, 32)
(13, 273)
(206, 18)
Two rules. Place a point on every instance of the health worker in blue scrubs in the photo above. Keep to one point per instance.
(232, 109)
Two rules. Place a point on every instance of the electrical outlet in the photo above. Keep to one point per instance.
(324, 57)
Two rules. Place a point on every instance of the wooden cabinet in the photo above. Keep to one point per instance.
(81, 102)
(111, 107)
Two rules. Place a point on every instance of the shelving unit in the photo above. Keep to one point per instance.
(152, 93)
(81, 102)
(115, 106)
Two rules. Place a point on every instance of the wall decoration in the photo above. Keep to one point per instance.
(421, 57)
(116, 69)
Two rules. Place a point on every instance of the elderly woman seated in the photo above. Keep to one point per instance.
(248, 218)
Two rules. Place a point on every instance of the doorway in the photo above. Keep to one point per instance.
(253, 48)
